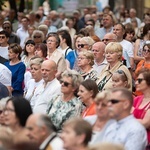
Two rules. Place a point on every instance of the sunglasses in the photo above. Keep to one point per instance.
(82, 45)
(6, 27)
(146, 50)
(65, 83)
(139, 80)
(106, 40)
(36, 37)
(114, 101)
(121, 72)
(2, 37)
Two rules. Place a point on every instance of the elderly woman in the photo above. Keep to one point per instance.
(17, 68)
(141, 105)
(37, 36)
(67, 105)
(113, 54)
(35, 69)
(53, 42)
(85, 43)
(101, 121)
(76, 134)
(85, 63)
(87, 92)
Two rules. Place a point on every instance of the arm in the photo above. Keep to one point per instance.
(136, 47)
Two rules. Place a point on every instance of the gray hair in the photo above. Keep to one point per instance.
(36, 61)
(44, 120)
(3, 102)
(38, 32)
(75, 76)
(88, 40)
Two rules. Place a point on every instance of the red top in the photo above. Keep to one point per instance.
(89, 111)
(139, 113)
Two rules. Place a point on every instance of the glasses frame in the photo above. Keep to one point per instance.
(65, 83)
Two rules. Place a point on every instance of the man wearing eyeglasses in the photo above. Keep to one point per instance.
(127, 130)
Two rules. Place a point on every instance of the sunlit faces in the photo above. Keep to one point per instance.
(38, 52)
(84, 94)
(82, 45)
(77, 42)
(69, 137)
(140, 83)
(83, 60)
(146, 52)
(129, 37)
(118, 30)
(66, 85)
(10, 115)
(36, 72)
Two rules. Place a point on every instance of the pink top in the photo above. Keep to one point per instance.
(139, 113)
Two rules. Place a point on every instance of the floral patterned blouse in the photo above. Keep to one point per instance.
(59, 111)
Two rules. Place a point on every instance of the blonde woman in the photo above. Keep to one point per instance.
(113, 54)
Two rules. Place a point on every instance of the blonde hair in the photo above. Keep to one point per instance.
(114, 47)
(89, 55)
(104, 95)
(88, 40)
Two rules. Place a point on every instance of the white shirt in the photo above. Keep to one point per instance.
(99, 67)
(5, 75)
(30, 88)
(4, 52)
(43, 94)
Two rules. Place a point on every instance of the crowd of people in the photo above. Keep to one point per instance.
(79, 82)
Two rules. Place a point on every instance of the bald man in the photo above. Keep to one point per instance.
(41, 131)
(44, 92)
(100, 62)
(109, 37)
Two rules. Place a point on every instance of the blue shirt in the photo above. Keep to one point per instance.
(128, 132)
(18, 71)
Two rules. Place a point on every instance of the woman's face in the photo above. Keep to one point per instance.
(140, 83)
(146, 52)
(66, 85)
(117, 81)
(51, 43)
(83, 60)
(30, 48)
(69, 138)
(102, 109)
(111, 57)
(39, 53)
(84, 94)
(11, 119)
(82, 45)
(77, 42)
(12, 55)
(36, 72)
(37, 38)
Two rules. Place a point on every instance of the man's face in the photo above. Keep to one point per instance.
(3, 39)
(7, 27)
(34, 132)
(48, 72)
(118, 31)
(107, 21)
(115, 105)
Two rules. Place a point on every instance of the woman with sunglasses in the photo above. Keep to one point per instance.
(141, 105)
(67, 105)
(87, 92)
(145, 63)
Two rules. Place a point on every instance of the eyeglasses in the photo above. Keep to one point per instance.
(82, 45)
(49, 41)
(8, 110)
(2, 37)
(81, 58)
(36, 37)
(107, 40)
(146, 50)
(115, 101)
(122, 73)
(139, 80)
(65, 83)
